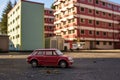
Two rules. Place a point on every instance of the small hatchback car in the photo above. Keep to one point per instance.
(49, 57)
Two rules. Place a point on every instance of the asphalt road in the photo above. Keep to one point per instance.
(82, 69)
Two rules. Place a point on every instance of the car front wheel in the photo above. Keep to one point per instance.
(63, 64)
(34, 63)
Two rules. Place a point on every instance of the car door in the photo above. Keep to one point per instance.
(51, 58)
(40, 57)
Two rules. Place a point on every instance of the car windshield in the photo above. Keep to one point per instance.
(59, 52)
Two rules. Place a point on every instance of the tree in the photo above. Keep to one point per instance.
(4, 18)
(52, 6)
(0, 27)
(15, 3)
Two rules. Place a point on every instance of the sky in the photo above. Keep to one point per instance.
(47, 3)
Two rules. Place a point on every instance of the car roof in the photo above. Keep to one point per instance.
(47, 49)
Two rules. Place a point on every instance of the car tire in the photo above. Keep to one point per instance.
(34, 63)
(63, 64)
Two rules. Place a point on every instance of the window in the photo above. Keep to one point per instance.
(110, 24)
(69, 20)
(109, 6)
(104, 34)
(54, 53)
(69, 32)
(97, 12)
(51, 20)
(104, 43)
(82, 32)
(64, 22)
(63, 12)
(90, 1)
(82, 9)
(13, 21)
(90, 32)
(41, 53)
(50, 12)
(82, 20)
(97, 33)
(73, 8)
(13, 29)
(13, 37)
(97, 2)
(64, 32)
(110, 15)
(110, 43)
(90, 21)
(97, 23)
(103, 3)
(104, 13)
(13, 12)
(49, 53)
(17, 36)
(73, 31)
(35, 52)
(90, 11)
(10, 22)
(97, 42)
(73, 19)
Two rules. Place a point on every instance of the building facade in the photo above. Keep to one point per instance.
(49, 22)
(26, 26)
(94, 22)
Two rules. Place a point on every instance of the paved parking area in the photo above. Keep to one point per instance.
(87, 66)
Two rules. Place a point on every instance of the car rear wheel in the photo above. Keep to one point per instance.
(63, 64)
(34, 63)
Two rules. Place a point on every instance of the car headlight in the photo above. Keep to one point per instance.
(70, 58)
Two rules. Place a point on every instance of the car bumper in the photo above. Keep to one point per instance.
(70, 63)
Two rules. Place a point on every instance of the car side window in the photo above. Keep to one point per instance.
(40, 53)
(54, 53)
(35, 52)
(48, 53)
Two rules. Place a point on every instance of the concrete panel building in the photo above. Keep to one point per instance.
(94, 22)
(49, 22)
(26, 26)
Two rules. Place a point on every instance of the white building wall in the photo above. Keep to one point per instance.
(14, 27)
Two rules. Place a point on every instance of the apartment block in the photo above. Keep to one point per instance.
(26, 26)
(49, 22)
(94, 22)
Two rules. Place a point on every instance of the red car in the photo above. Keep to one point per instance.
(49, 57)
